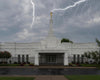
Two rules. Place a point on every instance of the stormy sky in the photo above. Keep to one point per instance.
(79, 24)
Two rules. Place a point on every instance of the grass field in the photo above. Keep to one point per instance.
(16, 78)
(83, 77)
(9, 64)
(90, 65)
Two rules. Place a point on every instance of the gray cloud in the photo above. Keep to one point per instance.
(81, 24)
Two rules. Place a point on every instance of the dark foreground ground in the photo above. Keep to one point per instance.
(83, 77)
(49, 71)
(49, 77)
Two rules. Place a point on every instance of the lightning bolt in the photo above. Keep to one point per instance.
(71, 6)
(33, 13)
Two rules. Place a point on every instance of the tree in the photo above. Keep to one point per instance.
(92, 55)
(5, 55)
(98, 42)
(95, 55)
(66, 40)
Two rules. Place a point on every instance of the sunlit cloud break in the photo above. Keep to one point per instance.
(68, 7)
(33, 13)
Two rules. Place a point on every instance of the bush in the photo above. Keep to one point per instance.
(10, 61)
(70, 64)
(5, 55)
(19, 62)
(74, 65)
(78, 64)
(15, 63)
(28, 62)
(22, 64)
(86, 63)
(31, 64)
(73, 62)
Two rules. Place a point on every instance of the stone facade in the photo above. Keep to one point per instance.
(49, 45)
(33, 50)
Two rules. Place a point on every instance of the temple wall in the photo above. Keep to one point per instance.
(80, 48)
(30, 48)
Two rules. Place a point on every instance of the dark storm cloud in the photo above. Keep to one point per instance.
(81, 23)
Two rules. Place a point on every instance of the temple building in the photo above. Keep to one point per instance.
(49, 51)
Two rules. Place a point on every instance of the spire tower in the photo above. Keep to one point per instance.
(50, 34)
(51, 41)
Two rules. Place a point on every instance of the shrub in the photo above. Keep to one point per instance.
(22, 64)
(15, 63)
(5, 55)
(70, 64)
(31, 64)
(28, 62)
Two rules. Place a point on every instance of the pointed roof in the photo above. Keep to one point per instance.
(51, 41)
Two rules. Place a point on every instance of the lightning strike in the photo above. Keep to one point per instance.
(71, 6)
(33, 13)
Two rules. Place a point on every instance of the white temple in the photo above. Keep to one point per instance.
(49, 51)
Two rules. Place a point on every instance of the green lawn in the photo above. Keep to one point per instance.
(90, 65)
(83, 77)
(16, 78)
(16, 65)
(85, 65)
(9, 64)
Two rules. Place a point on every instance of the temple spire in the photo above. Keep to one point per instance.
(51, 41)
(51, 14)
(51, 26)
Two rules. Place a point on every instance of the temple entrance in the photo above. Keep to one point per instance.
(51, 58)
